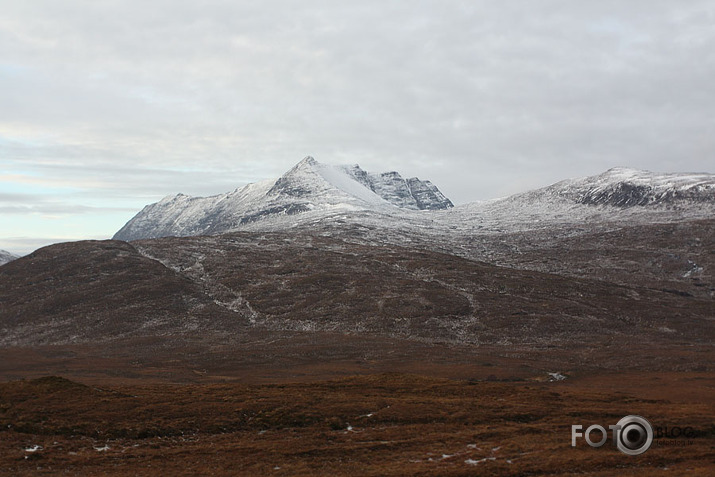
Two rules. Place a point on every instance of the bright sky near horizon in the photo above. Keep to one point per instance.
(108, 106)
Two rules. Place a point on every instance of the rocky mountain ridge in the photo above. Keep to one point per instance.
(308, 186)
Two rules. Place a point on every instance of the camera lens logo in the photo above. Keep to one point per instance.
(634, 435)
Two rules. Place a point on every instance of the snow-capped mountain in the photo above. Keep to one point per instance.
(617, 195)
(309, 186)
(314, 195)
(623, 187)
(6, 257)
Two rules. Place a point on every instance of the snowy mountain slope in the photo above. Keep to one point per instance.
(318, 196)
(308, 186)
(6, 257)
(623, 187)
(617, 195)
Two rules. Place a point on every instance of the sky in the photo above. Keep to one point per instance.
(108, 105)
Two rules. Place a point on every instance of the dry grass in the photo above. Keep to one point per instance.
(386, 424)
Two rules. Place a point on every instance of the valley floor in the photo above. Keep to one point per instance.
(370, 424)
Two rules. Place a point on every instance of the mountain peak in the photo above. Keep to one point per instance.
(307, 186)
(621, 169)
(308, 162)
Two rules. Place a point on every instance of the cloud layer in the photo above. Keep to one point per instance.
(115, 104)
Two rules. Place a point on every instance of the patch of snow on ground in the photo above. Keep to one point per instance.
(475, 462)
(556, 377)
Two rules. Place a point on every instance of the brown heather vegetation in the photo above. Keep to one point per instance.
(384, 424)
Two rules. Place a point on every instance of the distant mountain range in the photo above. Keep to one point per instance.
(313, 193)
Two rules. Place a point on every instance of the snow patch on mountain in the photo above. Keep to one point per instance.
(346, 179)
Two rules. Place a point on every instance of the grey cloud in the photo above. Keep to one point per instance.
(25, 245)
(483, 98)
(11, 204)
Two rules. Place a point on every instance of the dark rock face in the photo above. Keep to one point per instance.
(620, 195)
(626, 194)
(393, 188)
(288, 209)
(363, 177)
(408, 193)
(427, 196)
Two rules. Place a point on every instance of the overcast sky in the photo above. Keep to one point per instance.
(106, 106)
